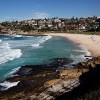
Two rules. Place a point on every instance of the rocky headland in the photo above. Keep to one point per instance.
(54, 80)
(20, 32)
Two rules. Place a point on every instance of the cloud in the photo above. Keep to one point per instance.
(8, 18)
(5, 17)
(40, 15)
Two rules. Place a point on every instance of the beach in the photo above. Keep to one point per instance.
(91, 42)
(46, 67)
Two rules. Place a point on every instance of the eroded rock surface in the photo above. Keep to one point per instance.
(47, 82)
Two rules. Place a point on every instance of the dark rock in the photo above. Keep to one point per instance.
(34, 69)
(24, 71)
(0, 88)
(89, 88)
(32, 77)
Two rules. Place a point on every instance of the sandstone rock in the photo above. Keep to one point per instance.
(55, 88)
(70, 73)
(52, 82)
(84, 70)
(50, 98)
(31, 76)
(92, 65)
(33, 97)
(98, 58)
(97, 62)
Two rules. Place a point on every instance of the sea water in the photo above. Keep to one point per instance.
(19, 50)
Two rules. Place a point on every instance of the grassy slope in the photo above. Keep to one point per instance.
(84, 32)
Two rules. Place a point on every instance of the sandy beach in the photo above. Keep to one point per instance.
(91, 42)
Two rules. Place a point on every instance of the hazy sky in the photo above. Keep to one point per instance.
(26, 9)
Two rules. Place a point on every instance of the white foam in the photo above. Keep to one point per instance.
(45, 38)
(81, 58)
(77, 58)
(84, 49)
(36, 45)
(17, 35)
(12, 72)
(6, 38)
(6, 53)
(79, 51)
(6, 85)
(0, 40)
(40, 40)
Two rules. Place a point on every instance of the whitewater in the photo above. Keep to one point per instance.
(19, 50)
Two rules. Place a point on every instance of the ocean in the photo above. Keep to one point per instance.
(19, 50)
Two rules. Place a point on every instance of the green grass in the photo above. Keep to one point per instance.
(76, 32)
(83, 32)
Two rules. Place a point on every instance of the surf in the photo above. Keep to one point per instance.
(7, 54)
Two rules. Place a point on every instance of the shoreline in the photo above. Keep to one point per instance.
(26, 34)
(90, 42)
(50, 84)
(41, 83)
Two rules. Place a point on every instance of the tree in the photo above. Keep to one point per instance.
(27, 28)
(73, 18)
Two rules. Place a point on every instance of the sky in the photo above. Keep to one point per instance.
(27, 9)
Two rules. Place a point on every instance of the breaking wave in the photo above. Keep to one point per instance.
(36, 45)
(84, 49)
(6, 85)
(12, 72)
(40, 40)
(81, 57)
(7, 54)
(0, 40)
(77, 58)
(17, 35)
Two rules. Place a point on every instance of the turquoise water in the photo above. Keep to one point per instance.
(17, 50)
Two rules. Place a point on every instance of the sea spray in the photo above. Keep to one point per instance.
(6, 85)
(41, 40)
(0, 40)
(7, 54)
(12, 72)
(34, 50)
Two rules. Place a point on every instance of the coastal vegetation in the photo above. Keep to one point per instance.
(89, 25)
